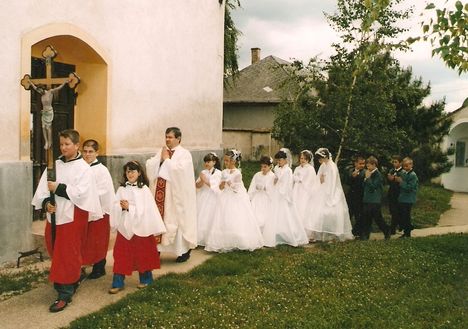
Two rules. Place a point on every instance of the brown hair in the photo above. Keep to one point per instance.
(72, 134)
(91, 143)
(373, 160)
(135, 165)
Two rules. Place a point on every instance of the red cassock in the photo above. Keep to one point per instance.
(97, 241)
(137, 254)
(67, 252)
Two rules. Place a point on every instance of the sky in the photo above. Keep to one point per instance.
(297, 29)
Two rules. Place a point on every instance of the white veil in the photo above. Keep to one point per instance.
(288, 155)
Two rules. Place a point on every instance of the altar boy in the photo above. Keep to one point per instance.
(76, 198)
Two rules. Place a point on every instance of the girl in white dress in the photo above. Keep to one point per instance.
(207, 197)
(284, 226)
(305, 184)
(330, 218)
(234, 224)
(261, 190)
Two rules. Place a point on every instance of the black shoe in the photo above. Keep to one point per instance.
(96, 275)
(404, 236)
(184, 257)
(58, 305)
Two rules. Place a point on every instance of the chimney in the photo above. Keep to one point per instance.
(255, 55)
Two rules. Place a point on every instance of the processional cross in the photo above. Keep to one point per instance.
(44, 87)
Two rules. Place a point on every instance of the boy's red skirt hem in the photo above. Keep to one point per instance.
(97, 241)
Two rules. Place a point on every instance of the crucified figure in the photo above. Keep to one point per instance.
(47, 113)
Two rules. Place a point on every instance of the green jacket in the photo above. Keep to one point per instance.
(373, 187)
(408, 187)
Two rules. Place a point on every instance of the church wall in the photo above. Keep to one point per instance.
(15, 208)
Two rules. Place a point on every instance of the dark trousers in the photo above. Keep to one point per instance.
(395, 214)
(65, 291)
(373, 212)
(405, 217)
(355, 210)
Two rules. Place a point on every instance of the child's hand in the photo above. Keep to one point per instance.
(228, 183)
(124, 204)
(50, 208)
(368, 173)
(52, 186)
(355, 173)
(222, 184)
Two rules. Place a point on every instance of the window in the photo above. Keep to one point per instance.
(460, 154)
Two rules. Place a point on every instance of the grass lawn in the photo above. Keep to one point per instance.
(403, 283)
(15, 283)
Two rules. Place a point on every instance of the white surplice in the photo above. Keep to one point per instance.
(81, 189)
(142, 218)
(180, 210)
(105, 187)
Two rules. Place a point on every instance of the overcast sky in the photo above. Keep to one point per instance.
(298, 29)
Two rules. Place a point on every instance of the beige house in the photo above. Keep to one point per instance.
(249, 104)
(457, 178)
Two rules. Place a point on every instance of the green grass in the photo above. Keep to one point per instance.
(15, 283)
(432, 200)
(410, 283)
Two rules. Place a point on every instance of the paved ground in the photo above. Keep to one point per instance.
(30, 310)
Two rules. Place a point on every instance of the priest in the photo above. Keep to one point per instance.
(171, 177)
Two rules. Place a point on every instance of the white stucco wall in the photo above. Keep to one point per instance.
(457, 178)
(165, 67)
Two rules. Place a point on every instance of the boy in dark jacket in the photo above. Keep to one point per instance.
(408, 188)
(372, 210)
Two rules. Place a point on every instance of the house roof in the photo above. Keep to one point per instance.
(262, 82)
(464, 105)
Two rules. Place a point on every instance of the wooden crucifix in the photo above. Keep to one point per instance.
(44, 86)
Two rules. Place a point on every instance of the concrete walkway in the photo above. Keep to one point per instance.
(30, 310)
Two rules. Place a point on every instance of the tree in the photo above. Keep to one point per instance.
(369, 28)
(448, 35)
(231, 34)
(361, 100)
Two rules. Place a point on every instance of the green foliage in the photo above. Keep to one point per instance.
(388, 116)
(448, 35)
(361, 100)
(231, 34)
(411, 283)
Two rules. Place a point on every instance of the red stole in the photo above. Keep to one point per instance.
(160, 195)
